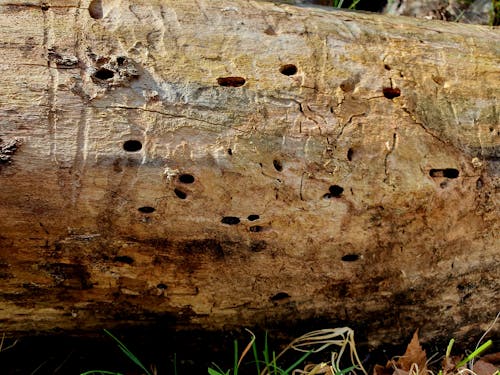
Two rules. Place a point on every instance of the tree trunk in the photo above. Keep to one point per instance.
(233, 163)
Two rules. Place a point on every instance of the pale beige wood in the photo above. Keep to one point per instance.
(373, 169)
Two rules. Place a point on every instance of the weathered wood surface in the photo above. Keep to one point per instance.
(361, 188)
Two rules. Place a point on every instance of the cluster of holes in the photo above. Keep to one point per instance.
(287, 69)
(335, 191)
(391, 92)
(132, 145)
(446, 172)
(350, 258)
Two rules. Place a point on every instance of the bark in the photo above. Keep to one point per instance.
(223, 164)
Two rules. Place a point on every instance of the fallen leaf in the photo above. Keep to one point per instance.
(381, 370)
(414, 355)
(484, 368)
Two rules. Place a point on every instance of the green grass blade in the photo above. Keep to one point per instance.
(475, 353)
(275, 365)
(354, 4)
(211, 371)
(265, 353)
(346, 370)
(298, 362)
(128, 353)
(448, 349)
(256, 357)
(235, 367)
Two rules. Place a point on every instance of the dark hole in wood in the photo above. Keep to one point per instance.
(120, 60)
(280, 296)
(229, 151)
(186, 178)
(387, 67)
(288, 69)
(123, 259)
(277, 165)
(256, 228)
(45, 7)
(180, 194)
(335, 192)
(132, 145)
(350, 258)
(161, 286)
(391, 92)
(104, 74)
(146, 209)
(95, 9)
(231, 81)
(446, 172)
(350, 152)
(253, 217)
(230, 220)
(479, 183)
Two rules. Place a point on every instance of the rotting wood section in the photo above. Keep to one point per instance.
(232, 163)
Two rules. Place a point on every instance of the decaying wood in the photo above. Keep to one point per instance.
(231, 163)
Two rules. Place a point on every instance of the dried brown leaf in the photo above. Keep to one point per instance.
(414, 355)
(381, 370)
(484, 368)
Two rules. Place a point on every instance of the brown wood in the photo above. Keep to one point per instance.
(229, 163)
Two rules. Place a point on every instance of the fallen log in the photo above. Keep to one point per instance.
(222, 164)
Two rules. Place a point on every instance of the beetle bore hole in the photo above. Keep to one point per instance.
(230, 220)
(161, 286)
(350, 258)
(104, 74)
(253, 217)
(280, 296)
(391, 92)
(231, 81)
(146, 209)
(229, 151)
(256, 228)
(95, 9)
(446, 172)
(180, 194)
(277, 165)
(335, 191)
(186, 178)
(120, 60)
(350, 152)
(132, 145)
(123, 259)
(288, 69)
